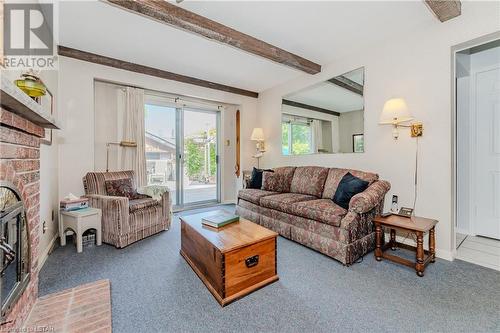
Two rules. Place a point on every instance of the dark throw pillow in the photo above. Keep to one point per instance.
(256, 178)
(348, 187)
(123, 188)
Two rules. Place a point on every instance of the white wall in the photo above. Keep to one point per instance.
(49, 180)
(49, 155)
(416, 66)
(106, 106)
(76, 104)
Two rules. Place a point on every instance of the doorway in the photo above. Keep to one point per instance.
(182, 150)
(477, 158)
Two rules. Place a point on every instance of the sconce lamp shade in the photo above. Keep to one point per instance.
(395, 111)
(257, 134)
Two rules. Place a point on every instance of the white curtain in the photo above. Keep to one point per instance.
(317, 129)
(132, 124)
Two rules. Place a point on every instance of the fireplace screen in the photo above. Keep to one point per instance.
(14, 247)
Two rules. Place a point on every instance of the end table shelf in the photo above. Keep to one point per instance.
(416, 225)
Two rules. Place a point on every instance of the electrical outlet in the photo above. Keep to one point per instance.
(44, 227)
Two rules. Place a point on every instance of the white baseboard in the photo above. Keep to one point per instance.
(45, 254)
(445, 254)
(228, 202)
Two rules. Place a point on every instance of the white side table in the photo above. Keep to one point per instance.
(80, 221)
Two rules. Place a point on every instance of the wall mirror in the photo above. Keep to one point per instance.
(325, 118)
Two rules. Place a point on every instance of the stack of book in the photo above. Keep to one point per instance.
(74, 204)
(219, 219)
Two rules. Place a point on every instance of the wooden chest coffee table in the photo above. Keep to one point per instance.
(232, 261)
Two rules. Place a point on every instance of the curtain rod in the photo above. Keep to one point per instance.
(164, 94)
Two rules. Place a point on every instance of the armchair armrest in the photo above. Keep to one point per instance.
(369, 198)
(166, 204)
(162, 194)
(115, 211)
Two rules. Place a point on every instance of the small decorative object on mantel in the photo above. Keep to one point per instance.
(31, 85)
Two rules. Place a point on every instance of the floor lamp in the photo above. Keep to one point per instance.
(130, 144)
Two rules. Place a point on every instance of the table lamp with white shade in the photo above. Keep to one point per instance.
(258, 135)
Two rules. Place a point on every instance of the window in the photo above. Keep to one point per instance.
(296, 136)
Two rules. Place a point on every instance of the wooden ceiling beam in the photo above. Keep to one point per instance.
(132, 67)
(180, 18)
(309, 107)
(444, 10)
(348, 84)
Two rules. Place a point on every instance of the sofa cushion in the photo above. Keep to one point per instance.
(256, 178)
(120, 187)
(284, 201)
(278, 181)
(137, 204)
(253, 195)
(335, 176)
(309, 180)
(348, 187)
(321, 210)
(123, 188)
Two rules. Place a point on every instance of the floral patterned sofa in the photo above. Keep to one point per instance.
(296, 203)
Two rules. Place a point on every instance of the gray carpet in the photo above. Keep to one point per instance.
(154, 290)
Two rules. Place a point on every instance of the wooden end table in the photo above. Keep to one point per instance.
(416, 225)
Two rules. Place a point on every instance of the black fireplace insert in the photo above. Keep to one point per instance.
(14, 247)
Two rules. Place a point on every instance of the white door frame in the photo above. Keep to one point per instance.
(454, 49)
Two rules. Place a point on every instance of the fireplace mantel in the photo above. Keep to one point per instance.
(16, 101)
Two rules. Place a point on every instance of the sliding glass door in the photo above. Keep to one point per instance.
(182, 151)
(199, 181)
(161, 146)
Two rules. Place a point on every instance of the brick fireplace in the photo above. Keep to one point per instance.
(20, 166)
(22, 125)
